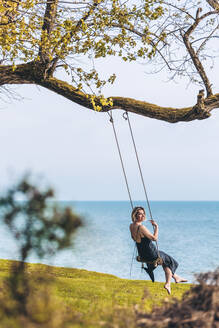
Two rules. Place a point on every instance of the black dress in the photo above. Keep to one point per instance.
(148, 252)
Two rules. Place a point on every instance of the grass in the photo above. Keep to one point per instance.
(95, 297)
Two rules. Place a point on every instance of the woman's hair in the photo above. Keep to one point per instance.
(135, 211)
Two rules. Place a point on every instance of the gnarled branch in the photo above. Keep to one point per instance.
(199, 111)
(29, 73)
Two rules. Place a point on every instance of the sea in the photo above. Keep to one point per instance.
(188, 231)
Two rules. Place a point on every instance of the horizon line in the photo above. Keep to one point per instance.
(142, 201)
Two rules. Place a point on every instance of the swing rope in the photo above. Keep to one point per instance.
(126, 180)
(126, 117)
(121, 159)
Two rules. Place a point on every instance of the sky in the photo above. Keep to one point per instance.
(73, 149)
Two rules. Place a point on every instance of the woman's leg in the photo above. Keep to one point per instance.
(168, 275)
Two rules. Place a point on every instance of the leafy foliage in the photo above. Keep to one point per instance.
(43, 40)
(40, 227)
(51, 31)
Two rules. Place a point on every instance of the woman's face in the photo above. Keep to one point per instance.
(140, 216)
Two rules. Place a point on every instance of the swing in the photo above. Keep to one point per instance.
(151, 265)
(154, 263)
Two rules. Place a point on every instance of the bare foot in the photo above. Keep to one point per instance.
(179, 279)
(167, 287)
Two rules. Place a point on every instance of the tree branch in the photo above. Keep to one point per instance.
(178, 8)
(81, 20)
(29, 74)
(207, 39)
(172, 115)
(20, 75)
(76, 28)
(194, 55)
(214, 4)
(50, 15)
(48, 24)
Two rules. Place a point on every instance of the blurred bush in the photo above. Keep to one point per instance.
(40, 227)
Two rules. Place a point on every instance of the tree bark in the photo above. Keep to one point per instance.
(34, 73)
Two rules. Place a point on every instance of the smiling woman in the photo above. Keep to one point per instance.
(148, 252)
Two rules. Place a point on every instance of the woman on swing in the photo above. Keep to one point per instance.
(147, 251)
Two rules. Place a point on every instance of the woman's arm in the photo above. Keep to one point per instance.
(148, 234)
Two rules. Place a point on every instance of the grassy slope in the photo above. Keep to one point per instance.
(94, 296)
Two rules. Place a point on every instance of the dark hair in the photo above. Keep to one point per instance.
(135, 211)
